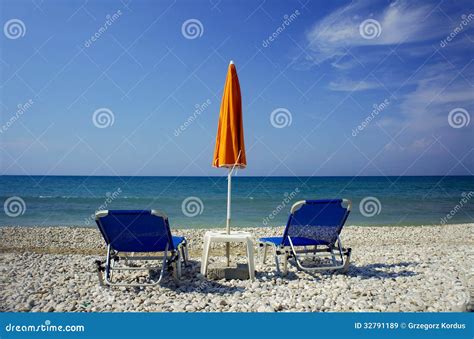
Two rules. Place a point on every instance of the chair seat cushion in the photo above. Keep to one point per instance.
(297, 241)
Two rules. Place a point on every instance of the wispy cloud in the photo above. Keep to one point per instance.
(402, 57)
(441, 87)
(346, 85)
(399, 22)
(433, 92)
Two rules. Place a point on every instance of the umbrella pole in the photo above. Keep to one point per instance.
(229, 195)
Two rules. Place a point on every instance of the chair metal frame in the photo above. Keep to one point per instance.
(173, 259)
(324, 251)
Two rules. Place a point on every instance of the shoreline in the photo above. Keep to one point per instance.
(207, 227)
(393, 269)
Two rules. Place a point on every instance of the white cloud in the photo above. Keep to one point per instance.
(422, 143)
(425, 80)
(438, 88)
(400, 22)
(347, 85)
(343, 65)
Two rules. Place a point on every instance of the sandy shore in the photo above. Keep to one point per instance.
(393, 269)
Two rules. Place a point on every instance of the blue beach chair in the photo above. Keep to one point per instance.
(139, 231)
(312, 232)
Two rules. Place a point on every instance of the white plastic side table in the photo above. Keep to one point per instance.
(234, 236)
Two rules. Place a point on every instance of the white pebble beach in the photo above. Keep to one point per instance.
(393, 269)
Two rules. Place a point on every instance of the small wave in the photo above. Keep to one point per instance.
(56, 197)
(86, 198)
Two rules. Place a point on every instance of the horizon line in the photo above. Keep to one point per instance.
(248, 176)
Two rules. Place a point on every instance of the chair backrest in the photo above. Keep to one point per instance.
(135, 230)
(320, 220)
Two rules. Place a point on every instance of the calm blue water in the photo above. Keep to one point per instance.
(65, 200)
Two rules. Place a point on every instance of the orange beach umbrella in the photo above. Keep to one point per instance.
(230, 149)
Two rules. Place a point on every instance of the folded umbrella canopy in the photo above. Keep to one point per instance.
(230, 149)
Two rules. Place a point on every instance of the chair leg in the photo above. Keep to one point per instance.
(333, 258)
(285, 263)
(183, 248)
(264, 254)
(347, 262)
(250, 259)
(205, 255)
(186, 254)
(182, 255)
(107, 266)
(277, 263)
(177, 266)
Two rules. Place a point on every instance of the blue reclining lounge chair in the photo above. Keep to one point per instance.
(138, 231)
(315, 224)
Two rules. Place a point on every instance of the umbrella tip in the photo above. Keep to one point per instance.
(231, 62)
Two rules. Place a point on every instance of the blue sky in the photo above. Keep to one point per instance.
(324, 69)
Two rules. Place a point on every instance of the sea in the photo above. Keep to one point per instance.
(201, 202)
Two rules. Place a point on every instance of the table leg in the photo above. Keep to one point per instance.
(205, 255)
(250, 258)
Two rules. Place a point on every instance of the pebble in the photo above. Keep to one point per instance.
(395, 276)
